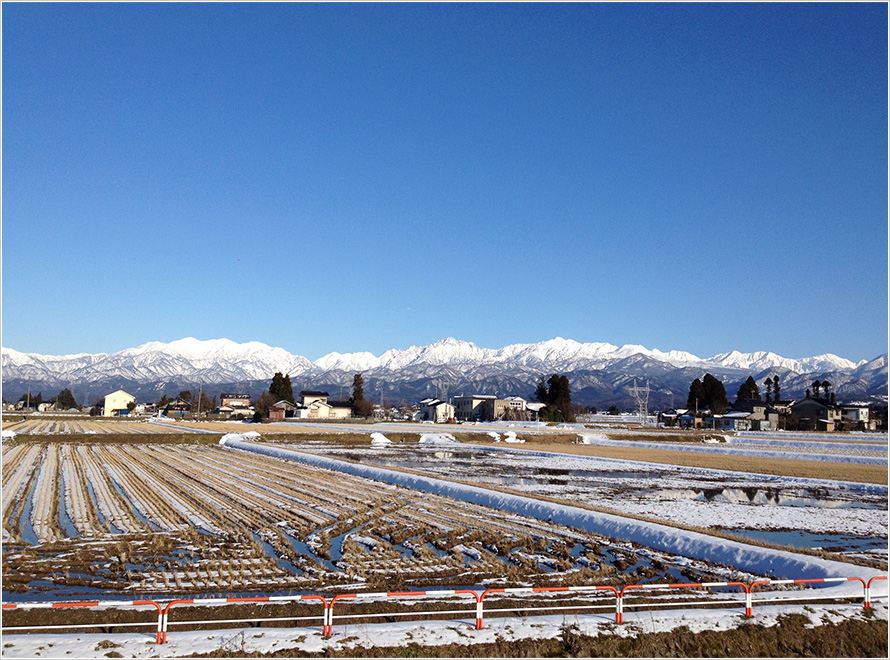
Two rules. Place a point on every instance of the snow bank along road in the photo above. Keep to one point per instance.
(762, 561)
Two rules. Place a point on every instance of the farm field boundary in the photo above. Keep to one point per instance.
(565, 443)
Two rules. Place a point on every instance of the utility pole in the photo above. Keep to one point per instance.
(28, 403)
(199, 398)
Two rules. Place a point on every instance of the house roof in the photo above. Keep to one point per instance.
(284, 404)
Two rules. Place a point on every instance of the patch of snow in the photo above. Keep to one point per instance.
(380, 440)
(437, 439)
(246, 436)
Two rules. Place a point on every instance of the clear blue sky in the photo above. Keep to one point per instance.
(363, 177)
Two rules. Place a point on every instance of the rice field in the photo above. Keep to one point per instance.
(84, 518)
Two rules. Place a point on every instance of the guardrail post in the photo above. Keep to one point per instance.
(867, 603)
(479, 608)
(619, 608)
(748, 602)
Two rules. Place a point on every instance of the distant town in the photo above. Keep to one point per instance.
(707, 407)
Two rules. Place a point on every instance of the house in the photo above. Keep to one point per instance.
(762, 416)
(45, 407)
(145, 409)
(816, 413)
(340, 409)
(731, 421)
(512, 408)
(671, 417)
(234, 400)
(116, 403)
(235, 405)
(782, 406)
(436, 410)
(533, 408)
(177, 408)
(282, 410)
(314, 404)
(856, 413)
(473, 408)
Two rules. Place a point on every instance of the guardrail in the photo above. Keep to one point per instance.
(479, 598)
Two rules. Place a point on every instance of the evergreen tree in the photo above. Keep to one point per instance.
(358, 389)
(715, 394)
(748, 390)
(186, 396)
(817, 385)
(825, 387)
(697, 400)
(541, 391)
(360, 406)
(558, 399)
(65, 400)
(564, 399)
(769, 389)
(776, 388)
(281, 389)
(163, 402)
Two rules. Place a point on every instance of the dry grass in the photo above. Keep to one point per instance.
(876, 474)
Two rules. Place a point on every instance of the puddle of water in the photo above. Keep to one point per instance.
(145, 521)
(801, 539)
(28, 535)
(336, 550)
(302, 549)
(269, 551)
(95, 503)
(756, 496)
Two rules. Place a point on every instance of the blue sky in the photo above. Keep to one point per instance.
(358, 177)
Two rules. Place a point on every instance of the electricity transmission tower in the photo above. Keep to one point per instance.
(641, 394)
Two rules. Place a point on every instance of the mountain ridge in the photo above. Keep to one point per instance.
(256, 360)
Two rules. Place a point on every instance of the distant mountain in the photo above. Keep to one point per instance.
(600, 373)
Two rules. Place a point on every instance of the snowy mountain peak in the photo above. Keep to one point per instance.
(225, 361)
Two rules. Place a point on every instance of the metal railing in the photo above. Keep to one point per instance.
(588, 594)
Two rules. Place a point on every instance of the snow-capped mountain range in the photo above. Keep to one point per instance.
(223, 360)
(599, 373)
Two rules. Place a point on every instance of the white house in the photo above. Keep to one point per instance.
(314, 405)
(436, 410)
(116, 403)
(857, 413)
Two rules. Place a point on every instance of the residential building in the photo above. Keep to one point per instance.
(436, 410)
(281, 410)
(817, 413)
(761, 416)
(315, 405)
(234, 400)
(177, 408)
(856, 414)
(116, 403)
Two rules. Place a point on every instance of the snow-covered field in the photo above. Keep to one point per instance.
(828, 513)
(249, 516)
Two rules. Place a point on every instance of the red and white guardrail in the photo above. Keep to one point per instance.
(327, 617)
